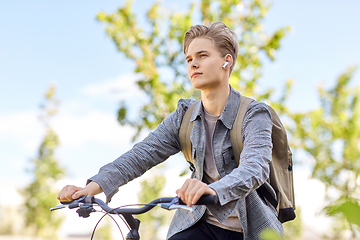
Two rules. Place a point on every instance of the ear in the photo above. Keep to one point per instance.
(230, 60)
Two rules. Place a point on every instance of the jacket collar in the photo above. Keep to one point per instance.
(229, 112)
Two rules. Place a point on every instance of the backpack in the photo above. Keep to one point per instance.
(281, 166)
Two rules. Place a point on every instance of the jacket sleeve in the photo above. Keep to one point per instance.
(253, 169)
(154, 149)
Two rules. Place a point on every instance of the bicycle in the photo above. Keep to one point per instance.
(85, 206)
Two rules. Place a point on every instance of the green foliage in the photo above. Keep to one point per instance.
(154, 219)
(269, 234)
(331, 134)
(293, 229)
(103, 232)
(346, 212)
(157, 51)
(40, 194)
(347, 208)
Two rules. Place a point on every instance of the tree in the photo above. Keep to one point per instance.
(40, 194)
(331, 135)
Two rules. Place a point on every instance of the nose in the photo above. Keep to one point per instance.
(194, 65)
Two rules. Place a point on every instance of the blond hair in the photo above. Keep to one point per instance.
(223, 37)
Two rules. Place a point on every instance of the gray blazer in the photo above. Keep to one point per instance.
(235, 189)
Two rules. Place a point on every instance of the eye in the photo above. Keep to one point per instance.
(189, 60)
(203, 55)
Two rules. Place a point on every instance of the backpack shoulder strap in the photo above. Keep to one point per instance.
(235, 132)
(184, 133)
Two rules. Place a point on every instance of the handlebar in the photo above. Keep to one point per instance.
(168, 203)
(204, 200)
(85, 207)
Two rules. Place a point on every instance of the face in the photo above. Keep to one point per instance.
(205, 64)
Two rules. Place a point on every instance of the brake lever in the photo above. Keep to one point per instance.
(176, 203)
(74, 203)
(181, 207)
(58, 207)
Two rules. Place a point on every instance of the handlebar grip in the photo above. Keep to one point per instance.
(80, 199)
(208, 199)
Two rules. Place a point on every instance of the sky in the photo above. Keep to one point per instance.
(62, 43)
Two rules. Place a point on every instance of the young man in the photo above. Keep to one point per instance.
(211, 52)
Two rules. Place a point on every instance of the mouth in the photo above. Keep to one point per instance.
(195, 74)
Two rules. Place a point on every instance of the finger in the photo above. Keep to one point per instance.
(58, 196)
(189, 196)
(203, 190)
(61, 194)
(67, 192)
(178, 194)
(193, 187)
(197, 195)
(188, 191)
(78, 194)
(182, 190)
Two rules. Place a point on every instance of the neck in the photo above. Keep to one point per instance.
(214, 100)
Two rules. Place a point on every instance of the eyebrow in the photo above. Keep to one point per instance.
(198, 52)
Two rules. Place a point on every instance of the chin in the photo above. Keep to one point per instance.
(197, 84)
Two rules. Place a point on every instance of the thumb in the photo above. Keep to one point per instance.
(79, 193)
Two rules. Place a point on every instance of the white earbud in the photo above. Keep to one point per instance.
(225, 64)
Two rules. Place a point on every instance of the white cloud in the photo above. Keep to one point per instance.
(79, 124)
(22, 127)
(110, 92)
(25, 130)
(92, 126)
(122, 87)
